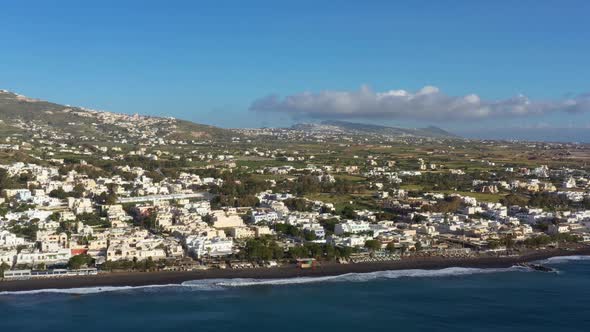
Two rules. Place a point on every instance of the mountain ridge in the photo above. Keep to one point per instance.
(364, 128)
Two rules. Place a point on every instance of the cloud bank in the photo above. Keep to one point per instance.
(428, 103)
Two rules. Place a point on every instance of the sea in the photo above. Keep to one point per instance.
(451, 299)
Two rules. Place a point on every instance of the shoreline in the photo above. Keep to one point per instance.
(133, 279)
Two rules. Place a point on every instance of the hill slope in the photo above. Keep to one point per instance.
(36, 117)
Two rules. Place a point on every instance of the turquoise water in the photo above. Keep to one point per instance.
(451, 299)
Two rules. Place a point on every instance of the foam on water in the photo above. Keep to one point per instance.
(223, 284)
(357, 277)
(564, 259)
(84, 290)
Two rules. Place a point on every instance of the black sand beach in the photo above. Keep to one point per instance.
(290, 271)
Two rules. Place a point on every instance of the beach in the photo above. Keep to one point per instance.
(117, 279)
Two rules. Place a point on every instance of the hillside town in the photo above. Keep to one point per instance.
(168, 206)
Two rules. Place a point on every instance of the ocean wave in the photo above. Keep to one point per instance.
(224, 284)
(564, 259)
(362, 277)
(84, 290)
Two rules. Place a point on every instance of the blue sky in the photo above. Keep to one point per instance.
(209, 61)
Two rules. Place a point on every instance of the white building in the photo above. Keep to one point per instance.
(268, 216)
(569, 183)
(48, 258)
(316, 228)
(558, 229)
(225, 219)
(10, 240)
(352, 227)
(201, 246)
(8, 257)
(80, 205)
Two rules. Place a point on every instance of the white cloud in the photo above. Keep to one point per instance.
(428, 103)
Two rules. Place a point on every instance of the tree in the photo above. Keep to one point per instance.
(418, 218)
(391, 247)
(264, 248)
(28, 231)
(329, 224)
(418, 246)
(384, 216)
(155, 176)
(508, 241)
(288, 229)
(104, 198)
(373, 245)
(149, 264)
(149, 221)
(404, 248)
(78, 190)
(6, 182)
(309, 235)
(92, 219)
(58, 193)
(549, 201)
(330, 252)
(122, 264)
(4, 267)
(297, 204)
(348, 212)
(111, 198)
(208, 219)
(514, 199)
(448, 205)
(78, 261)
(298, 252)
(3, 211)
(344, 251)
(493, 244)
(537, 241)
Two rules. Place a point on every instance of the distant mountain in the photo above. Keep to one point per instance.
(24, 115)
(434, 130)
(371, 129)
